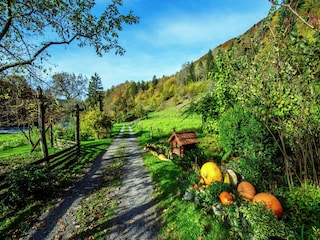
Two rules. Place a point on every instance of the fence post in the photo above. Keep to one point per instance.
(51, 135)
(41, 123)
(77, 133)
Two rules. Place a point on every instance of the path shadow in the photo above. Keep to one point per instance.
(123, 222)
(78, 191)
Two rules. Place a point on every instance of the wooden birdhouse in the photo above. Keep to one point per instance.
(180, 142)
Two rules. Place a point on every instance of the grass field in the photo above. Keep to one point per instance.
(180, 219)
(14, 220)
(161, 124)
(15, 151)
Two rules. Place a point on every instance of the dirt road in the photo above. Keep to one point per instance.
(136, 218)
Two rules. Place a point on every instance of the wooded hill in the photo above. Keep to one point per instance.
(270, 73)
(130, 98)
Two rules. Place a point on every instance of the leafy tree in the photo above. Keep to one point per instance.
(154, 81)
(68, 86)
(200, 72)
(29, 28)
(95, 124)
(280, 86)
(17, 102)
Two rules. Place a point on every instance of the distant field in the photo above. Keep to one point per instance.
(163, 122)
(15, 151)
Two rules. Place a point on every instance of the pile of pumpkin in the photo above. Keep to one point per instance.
(210, 172)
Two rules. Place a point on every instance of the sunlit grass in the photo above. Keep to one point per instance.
(165, 121)
(14, 221)
(180, 218)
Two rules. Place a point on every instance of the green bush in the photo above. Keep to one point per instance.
(95, 124)
(29, 182)
(209, 197)
(302, 210)
(253, 221)
(194, 156)
(241, 134)
(243, 137)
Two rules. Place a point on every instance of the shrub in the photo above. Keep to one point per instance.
(95, 124)
(302, 210)
(242, 135)
(210, 196)
(29, 182)
(250, 221)
(190, 157)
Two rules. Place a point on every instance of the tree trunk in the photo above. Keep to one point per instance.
(77, 133)
(41, 124)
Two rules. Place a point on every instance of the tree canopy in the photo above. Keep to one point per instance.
(29, 28)
(68, 86)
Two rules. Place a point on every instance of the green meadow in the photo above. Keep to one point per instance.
(161, 124)
(16, 219)
(180, 219)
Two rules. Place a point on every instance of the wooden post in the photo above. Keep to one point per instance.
(51, 136)
(77, 133)
(41, 124)
(150, 132)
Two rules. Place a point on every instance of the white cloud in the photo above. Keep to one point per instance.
(160, 44)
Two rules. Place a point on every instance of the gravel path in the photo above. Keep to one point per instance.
(136, 218)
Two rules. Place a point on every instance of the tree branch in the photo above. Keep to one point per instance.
(36, 54)
(8, 22)
(295, 13)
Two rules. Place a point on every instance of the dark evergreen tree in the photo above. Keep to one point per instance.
(95, 91)
(210, 63)
(192, 73)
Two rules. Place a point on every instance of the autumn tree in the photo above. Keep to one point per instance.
(29, 28)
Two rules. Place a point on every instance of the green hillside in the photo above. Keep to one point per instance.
(258, 96)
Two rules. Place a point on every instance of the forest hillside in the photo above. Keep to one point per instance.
(270, 74)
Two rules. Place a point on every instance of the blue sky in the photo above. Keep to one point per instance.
(170, 34)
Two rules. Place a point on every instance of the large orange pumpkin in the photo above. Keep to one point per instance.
(226, 198)
(210, 172)
(270, 202)
(246, 190)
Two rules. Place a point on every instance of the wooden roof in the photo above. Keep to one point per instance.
(184, 138)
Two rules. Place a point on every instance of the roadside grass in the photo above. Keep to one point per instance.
(15, 151)
(14, 220)
(180, 219)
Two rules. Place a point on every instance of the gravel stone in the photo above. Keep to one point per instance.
(136, 218)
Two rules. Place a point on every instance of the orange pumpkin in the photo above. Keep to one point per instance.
(226, 198)
(210, 172)
(270, 202)
(246, 190)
